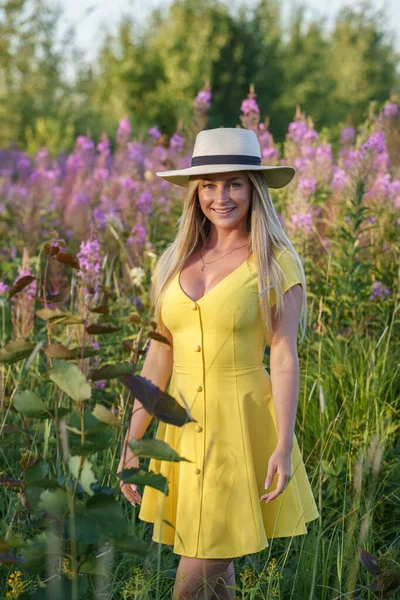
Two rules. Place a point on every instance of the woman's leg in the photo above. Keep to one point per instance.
(196, 578)
(221, 590)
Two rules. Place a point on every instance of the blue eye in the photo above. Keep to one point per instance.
(206, 186)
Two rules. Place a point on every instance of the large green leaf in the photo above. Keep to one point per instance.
(105, 512)
(98, 435)
(128, 543)
(142, 477)
(87, 476)
(158, 449)
(54, 502)
(16, 350)
(28, 403)
(157, 402)
(111, 371)
(71, 380)
(106, 416)
(55, 315)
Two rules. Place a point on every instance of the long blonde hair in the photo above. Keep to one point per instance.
(266, 238)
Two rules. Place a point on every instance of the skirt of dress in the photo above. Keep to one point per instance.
(213, 507)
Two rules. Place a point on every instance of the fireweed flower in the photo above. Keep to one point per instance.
(390, 109)
(138, 235)
(176, 142)
(203, 100)
(378, 290)
(143, 203)
(249, 105)
(347, 135)
(307, 185)
(297, 130)
(89, 258)
(376, 142)
(127, 183)
(124, 130)
(339, 179)
(154, 133)
(302, 222)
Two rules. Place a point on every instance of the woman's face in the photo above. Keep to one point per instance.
(225, 198)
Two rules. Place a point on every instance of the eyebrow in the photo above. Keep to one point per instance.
(230, 178)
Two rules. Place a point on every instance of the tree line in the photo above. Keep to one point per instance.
(151, 73)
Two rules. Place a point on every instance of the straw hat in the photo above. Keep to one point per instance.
(228, 149)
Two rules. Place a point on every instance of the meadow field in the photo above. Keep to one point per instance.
(80, 234)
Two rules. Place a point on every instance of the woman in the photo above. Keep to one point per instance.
(229, 284)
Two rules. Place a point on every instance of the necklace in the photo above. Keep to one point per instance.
(213, 261)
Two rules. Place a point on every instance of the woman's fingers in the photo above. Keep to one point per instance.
(130, 493)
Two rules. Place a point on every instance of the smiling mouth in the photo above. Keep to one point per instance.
(224, 211)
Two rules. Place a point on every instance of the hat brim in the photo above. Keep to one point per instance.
(276, 177)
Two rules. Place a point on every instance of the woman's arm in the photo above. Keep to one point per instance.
(284, 367)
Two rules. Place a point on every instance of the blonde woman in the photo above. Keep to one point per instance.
(229, 284)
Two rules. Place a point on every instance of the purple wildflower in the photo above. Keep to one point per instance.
(302, 221)
(376, 142)
(307, 185)
(154, 133)
(270, 153)
(390, 109)
(347, 135)
(297, 130)
(127, 183)
(203, 99)
(378, 290)
(90, 261)
(249, 105)
(339, 180)
(124, 129)
(3, 288)
(144, 202)
(176, 142)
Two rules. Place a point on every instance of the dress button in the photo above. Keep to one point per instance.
(198, 428)
(193, 306)
(199, 388)
(197, 471)
(196, 348)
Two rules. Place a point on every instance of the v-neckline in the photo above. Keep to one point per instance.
(216, 285)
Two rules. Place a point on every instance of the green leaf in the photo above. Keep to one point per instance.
(157, 402)
(87, 476)
(106, 416)
(37, 471)
(55, 315)
(71, 380)
(148, 448)
(15, 351)
(128, 543)
(111, 371)
(95, 566)
(105, 512)
(142, 477)
(28, 403)
(55, 503)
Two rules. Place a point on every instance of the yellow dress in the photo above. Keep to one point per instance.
(213, 508)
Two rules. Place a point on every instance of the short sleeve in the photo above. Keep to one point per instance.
(291, 273)
(290, 268)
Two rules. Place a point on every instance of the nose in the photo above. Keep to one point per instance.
(222, 194)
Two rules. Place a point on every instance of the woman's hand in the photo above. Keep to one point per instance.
(280, 463)
(129, 490)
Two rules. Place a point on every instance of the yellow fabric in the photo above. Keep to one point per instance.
(213, 508)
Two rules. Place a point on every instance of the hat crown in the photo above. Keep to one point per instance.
(227, 141)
